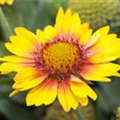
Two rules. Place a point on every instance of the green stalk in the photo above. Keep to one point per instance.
(5, 25)
(79, 114)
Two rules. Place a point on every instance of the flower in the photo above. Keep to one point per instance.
(97, 12)
(60, 60)
(9, 2)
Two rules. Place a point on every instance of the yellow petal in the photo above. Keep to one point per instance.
(28, 73)
(65, 97)
(20, 41)
(74, 27)
(50, 33)
(89, 91)
(59, 19)
(15, 63)
(75, 79)
(9, 2)
(81, 32)
(45, 93)
(14, 92)
(29, 82)
(82, 90)
(24, 38)
(99, 72)
(78, 89)
(27, 35)
(98, 36)
(102, 31)
(66, 21)
(6, 68)
(17, 59)
(41, 36)
(82, 101)
(20, 52)
(109, 46)
(2, 2)
(86, 37)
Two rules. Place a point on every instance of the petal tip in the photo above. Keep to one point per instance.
(13, 93)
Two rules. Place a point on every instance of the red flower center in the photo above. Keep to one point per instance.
(61, 57)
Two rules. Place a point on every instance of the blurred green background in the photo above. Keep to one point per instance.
(34, 14)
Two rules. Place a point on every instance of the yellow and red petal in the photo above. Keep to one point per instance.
(66, 97)
(97, 37)
(45, 93)
(102, 32)
(28, 84)
(69, 26)
(110, 48)
(105, 45)
(28, 78)
(99, 72)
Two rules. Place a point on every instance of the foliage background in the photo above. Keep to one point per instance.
(34, 14)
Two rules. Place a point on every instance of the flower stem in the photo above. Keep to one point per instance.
(5, 24)
(79, 114)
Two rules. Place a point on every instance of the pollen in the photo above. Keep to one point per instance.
(60, 56)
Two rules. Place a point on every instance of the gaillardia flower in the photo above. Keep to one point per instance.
(60, 60)
(9, 2)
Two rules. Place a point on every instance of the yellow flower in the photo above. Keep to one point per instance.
(59, 61)
(9, 2)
